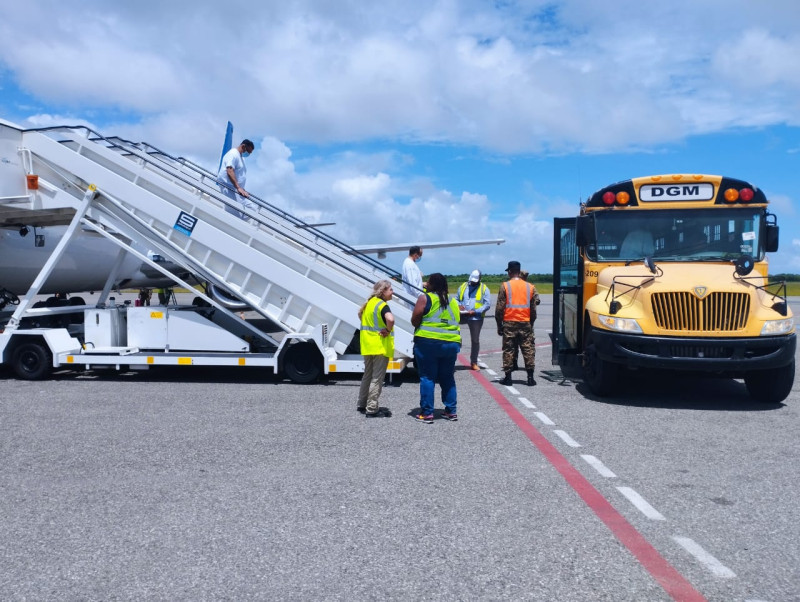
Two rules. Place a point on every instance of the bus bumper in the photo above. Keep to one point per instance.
(723, 354)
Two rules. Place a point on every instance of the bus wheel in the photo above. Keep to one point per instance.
(771, 386)
(32, 361)
(303, 362)
(598, 374)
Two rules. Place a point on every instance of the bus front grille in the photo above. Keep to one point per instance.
(717, 312)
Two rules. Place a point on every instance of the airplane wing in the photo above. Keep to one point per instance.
(382, 250)
(16, 217)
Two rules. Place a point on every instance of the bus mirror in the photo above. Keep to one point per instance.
(744, 265)
(584, 231)
(771, 242)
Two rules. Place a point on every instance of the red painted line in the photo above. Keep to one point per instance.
(662, 571)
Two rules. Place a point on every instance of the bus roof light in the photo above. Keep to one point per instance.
(623, 197)
(608, 198)
(746, 194)
(731, 195)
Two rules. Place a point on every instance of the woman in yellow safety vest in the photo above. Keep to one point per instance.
(474, 301)
(377, 347)
(437, 341)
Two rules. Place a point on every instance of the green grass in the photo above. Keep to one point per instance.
(793, 289)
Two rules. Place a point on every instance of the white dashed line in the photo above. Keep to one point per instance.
(712, 564)
(491, 372)
(599, 466)
(567, 439)
(512, 390)
(543, 417)
(526, 403)
(640, 503)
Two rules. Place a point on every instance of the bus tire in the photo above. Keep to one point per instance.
(598, 374)
(32, 360)
(302, 362)
(770, 386)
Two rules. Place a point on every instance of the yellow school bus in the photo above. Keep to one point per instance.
(670, 272)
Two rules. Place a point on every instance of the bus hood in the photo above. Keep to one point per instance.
(690, 277)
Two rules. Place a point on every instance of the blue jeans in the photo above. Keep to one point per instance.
(436, 362)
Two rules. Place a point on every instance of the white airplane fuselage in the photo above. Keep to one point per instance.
(84, 267)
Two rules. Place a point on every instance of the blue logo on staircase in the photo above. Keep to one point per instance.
(185, 223)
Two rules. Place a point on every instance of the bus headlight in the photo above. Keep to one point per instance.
(777, 326)
(620, 324)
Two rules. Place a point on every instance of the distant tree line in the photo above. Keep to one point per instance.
(549, 277)
(501, 277)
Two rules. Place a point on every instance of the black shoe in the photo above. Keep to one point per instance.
(531, 382)
(381, 413)
(361, 410)
(507, 380)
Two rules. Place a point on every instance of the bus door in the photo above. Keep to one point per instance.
(567, 293)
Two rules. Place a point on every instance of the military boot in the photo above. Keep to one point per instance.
(531, 382)
(507, 380)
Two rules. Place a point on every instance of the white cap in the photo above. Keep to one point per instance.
(475, 276)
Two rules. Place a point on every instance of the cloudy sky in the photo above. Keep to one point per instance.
(430, 120)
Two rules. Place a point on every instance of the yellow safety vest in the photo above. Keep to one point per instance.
(462, 291)
(440, 323)
(372, 343)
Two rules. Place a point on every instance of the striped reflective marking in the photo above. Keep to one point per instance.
(641, 504)
(707, 560)
(599, 466)
(566, 438)
(524, 401)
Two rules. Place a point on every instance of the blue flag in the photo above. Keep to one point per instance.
(228, 143)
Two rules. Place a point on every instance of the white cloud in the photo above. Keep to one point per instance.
(760, 61)
(362, 187)
(532, 76)
(367, 205)
(782, 205)
(526, 76)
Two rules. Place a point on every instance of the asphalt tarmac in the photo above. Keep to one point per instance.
(205, 484)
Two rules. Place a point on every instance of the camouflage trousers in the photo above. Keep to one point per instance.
(518, 335)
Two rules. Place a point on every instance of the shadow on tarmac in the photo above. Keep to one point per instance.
(645, 389)
(209, 374)
(668, 390)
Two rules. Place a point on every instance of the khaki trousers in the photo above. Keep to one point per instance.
(372, 382)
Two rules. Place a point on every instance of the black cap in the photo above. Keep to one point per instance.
(513, 266)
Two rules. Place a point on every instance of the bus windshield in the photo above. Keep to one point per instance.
(672, 235)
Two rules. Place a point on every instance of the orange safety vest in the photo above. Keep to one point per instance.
(518, 301)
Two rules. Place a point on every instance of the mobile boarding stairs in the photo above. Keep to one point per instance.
(139, 198)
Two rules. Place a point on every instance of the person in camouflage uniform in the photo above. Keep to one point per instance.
(524, 275)
(515, 313)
